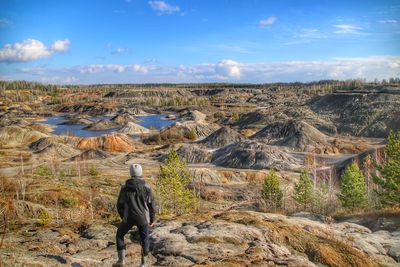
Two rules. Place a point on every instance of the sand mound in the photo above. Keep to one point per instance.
(54, 147)
(253, 155)
(124, 119)
(133, 128)
(17, 136)
(201, 129)
(77, 120)
(193, 154)
(90, 155)
(110, 143)
(296, 134)
(222, 137)
(193, 115)
(57, 151)
(102, 125)
(258, 119)
(43, 128)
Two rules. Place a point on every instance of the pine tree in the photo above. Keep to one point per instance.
(353, 194)
(271, 192)
(304, 191)
(388, 177)
(174, 196)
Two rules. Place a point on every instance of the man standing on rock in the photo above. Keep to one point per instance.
(136, 206)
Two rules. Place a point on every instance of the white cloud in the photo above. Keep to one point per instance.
(267, 21)
(347, 29)
(389, 21)
(381, 67)
(5, 23)
(310, 34)
(60, 45)
(163, 8)
(118, 68)
(226, 69)
(31, 49)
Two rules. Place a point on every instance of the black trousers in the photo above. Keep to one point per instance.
(124, 228)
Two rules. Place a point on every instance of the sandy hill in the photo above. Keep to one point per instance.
(133, 128)
(110, 143)
(296, 134)
(254, 155)
(222, 137)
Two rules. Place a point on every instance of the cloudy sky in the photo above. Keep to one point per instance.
(137, 41)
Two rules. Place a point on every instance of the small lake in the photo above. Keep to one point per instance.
(147, 121)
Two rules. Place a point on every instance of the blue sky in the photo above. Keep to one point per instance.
(122, 41)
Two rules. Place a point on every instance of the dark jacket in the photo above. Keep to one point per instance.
(136, 202)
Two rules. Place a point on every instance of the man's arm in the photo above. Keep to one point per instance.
(121, 202)
(151, 203)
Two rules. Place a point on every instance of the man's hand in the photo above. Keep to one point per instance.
(151, 225)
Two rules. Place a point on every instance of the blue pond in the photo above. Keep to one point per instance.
(148, 121)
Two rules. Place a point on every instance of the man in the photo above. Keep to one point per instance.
(136, 206)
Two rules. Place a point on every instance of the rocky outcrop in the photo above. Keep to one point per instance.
(228, 238)
(110, 143)
(133, 129)
(253, 155)
(222, 137)
(243, 238)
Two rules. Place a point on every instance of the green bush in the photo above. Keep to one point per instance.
(93, 171)
(70, 201)
(271, 191)
(45, 218)
(42, 171)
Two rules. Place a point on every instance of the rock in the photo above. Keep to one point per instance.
(253, 155)
(133, 129)
(222, 137)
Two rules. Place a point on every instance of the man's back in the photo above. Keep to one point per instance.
(136, 202)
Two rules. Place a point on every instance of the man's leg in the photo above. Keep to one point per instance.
(145, 240)
(123, 229)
